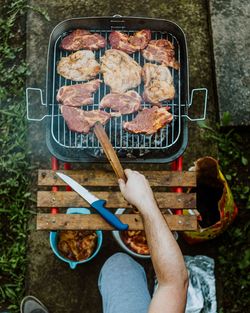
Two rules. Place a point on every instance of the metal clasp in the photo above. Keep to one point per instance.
(117, 22)
(202, 118)
(28, 104)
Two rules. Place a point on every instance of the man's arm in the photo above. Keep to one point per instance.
(166, 255)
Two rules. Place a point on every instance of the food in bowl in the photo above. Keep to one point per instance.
(77, 245)
(136, 241)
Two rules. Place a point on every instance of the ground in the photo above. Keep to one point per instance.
(232, 78)
(48, 278)
(62, 289)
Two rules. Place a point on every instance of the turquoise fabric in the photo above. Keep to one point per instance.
(123, 286)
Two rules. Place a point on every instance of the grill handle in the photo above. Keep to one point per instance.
(109, 150)
(203, 117)
(28, 90)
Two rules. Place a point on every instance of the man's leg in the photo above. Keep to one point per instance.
(123, 286)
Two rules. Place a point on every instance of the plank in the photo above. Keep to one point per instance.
(104, 178)
(95, 221)
(114, 199)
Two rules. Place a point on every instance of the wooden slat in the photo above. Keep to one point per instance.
(95, 221)
(104, 178)
(114, 199)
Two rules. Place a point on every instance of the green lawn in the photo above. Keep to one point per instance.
(14, 158)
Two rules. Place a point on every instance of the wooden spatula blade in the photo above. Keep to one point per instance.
(109, 150)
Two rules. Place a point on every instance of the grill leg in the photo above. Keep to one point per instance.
(55, 167)
(177, 166)
(67, 166)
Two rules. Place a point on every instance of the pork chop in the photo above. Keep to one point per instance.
(130, 44)
(82, 39)
(158, 83)
(120, 71)
(124, 103)
(78, 95)
(161, 51)
(79, 66)
(149, 121)
(81, 121)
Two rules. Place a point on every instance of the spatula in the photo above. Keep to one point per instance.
(111, 155)
(109, 151)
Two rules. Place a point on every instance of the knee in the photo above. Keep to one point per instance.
(118, 260)
(111, 269)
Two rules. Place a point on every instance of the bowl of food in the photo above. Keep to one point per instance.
(134, 242)
(76, 246)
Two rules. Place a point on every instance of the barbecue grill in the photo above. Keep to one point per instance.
(165, 146)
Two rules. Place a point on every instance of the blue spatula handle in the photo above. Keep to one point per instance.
(108, 216)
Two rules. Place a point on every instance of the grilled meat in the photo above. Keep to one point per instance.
(78, 95)
(120, 71)
(158, 83)
(79, 66)
(130, 44)
(123, 103)
(136, 240)
(77, 245)
(161, 51)
(82, 39)
(81, 121)
(119, 41)
(149, 121)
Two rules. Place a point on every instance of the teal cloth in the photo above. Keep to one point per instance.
(123, 286)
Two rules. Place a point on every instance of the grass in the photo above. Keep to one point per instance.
(15, 197)
(14, 158)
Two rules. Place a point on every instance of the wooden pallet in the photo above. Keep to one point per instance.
(104, 185)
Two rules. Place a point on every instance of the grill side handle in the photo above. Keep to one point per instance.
(205, 96)
(30, 90)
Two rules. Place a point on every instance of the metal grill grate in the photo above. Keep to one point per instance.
(119, 138)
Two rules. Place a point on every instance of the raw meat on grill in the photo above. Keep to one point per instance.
(119, 41)
(120, 71)
(140, 39)
(78, 95)
(81, 121)
(158, 83)
(149, 121)
(123, 103)
(161, 51)
(82, 39)
(130, 44)
(79, 66)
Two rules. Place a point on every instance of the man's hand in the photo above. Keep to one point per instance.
(137, 191)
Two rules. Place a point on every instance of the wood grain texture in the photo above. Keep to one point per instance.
(114, 199)
(109, 150)
(95, 221)
(108, 179)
